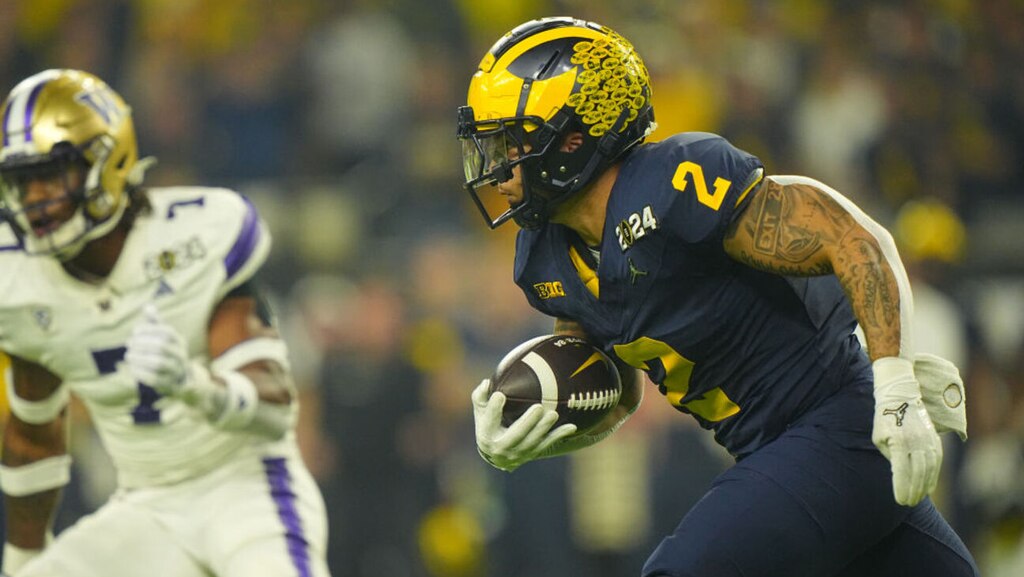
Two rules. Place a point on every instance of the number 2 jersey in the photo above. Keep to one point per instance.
(184, 256)
(745, 352)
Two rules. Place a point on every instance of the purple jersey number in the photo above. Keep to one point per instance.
(143, 413)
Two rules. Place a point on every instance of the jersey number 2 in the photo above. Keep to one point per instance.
(143, 413)
(713, 406)
(712, 200)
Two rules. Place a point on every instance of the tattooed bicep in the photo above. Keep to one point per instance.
(789, 229)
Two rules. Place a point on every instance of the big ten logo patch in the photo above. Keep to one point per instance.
(549, 290)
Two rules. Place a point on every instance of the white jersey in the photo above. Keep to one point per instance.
(184, 256)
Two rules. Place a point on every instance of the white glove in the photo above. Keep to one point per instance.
(903, 432)
(942, 391)
(157, 356)
(527, 439)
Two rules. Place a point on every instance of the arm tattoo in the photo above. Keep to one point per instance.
(799, 230)
(775, 237)
(869, 284)
(785, 231)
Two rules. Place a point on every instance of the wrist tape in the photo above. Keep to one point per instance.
(236, 405)
(239, 401)
(36, 412)
(894, 370)
(36, 477)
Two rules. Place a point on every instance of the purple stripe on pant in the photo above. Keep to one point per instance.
(284, 497)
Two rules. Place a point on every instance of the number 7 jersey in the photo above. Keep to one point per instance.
(743, 351)
(184, 256)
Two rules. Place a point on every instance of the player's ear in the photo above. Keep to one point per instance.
(572, 141)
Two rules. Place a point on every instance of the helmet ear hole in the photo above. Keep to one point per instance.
(573, 141)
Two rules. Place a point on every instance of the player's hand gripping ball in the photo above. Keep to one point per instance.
(562, 373)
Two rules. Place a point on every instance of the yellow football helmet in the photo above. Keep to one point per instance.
(541, 82)
(54, 120)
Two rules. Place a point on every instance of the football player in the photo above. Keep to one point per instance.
(141, 303)
(736, 292)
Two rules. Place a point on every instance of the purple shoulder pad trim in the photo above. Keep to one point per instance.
(248, 239)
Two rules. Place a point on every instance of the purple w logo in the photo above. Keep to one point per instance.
(104, 103)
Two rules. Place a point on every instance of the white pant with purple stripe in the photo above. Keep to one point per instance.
(258, 515)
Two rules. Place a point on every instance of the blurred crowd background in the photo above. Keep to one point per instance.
(338, 119)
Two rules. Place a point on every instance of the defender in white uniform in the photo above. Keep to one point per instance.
(140, 303)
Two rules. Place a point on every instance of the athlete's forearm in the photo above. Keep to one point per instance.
(29, 513)
(796, 226)
(29, 519)
(256, 397)
(870, 284)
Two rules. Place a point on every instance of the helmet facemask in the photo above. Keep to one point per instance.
(491, 151)
(94, 214)
(545, 84)
(74, 126)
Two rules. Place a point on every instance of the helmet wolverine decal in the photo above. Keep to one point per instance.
(53, 121)
(541, 82)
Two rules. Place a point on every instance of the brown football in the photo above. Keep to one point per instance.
(564, 373)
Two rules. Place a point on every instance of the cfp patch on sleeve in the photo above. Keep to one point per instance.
(178, 256)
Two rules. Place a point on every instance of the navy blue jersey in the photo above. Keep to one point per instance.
(745, 352)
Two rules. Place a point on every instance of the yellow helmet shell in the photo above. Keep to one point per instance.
(542, 83)
(602, 75)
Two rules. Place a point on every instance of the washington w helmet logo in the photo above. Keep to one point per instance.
(103, 101)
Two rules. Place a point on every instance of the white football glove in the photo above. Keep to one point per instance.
(942, 391)
(157, 356)
(527, 439)
(903, 432)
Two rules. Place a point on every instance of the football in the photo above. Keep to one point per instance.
(564, 373)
